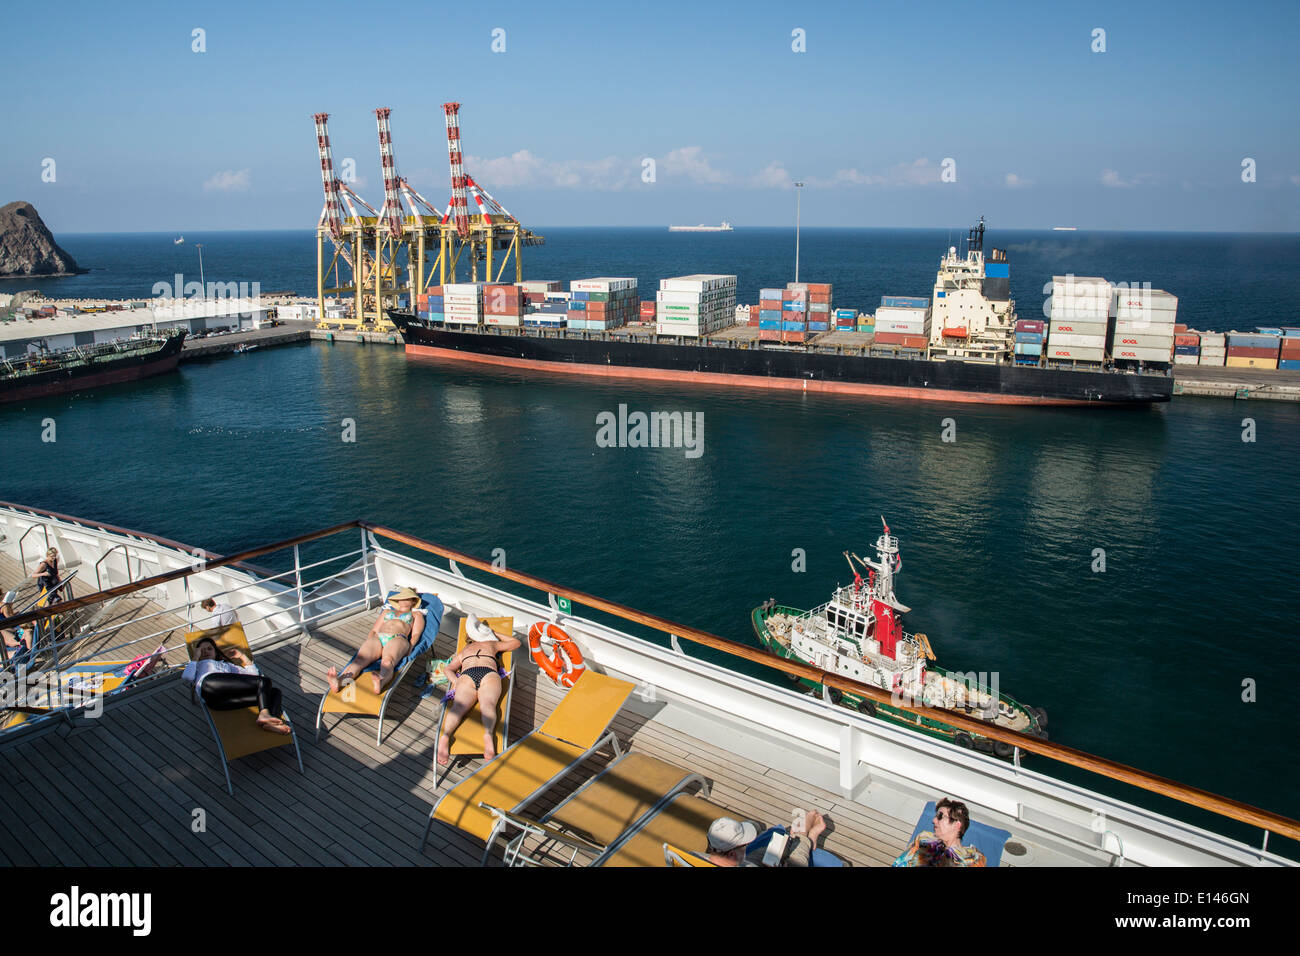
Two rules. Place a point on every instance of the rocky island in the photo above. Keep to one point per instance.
(27, 249)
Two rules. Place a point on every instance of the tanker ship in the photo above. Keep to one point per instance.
(42, 374)
(962, 345)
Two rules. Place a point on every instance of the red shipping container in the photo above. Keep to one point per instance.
(901, 338)
(769, 335)
(1030, 325)
(1291, 347)
(816, 298)
(819, 288)
(793, 336)
(1187, 339)
(1179, 327)
(1242, 351)
(796, 295)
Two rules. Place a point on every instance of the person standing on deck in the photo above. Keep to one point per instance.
(47, 573)
(223, 615)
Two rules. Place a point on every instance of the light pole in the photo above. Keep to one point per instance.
(798, 195)
(202, 285)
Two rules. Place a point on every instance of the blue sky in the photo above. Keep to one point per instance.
(147, 134)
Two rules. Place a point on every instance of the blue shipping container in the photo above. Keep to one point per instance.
(903, 302)
(583, 296)
(1253, 341)
(1029, 337)
(771, 293)
(772, 325)
(578, 305)
(1292, 364)
(769, 314)
(1268, 331)
(1029, 348)
(845, 314)
(1187, 350)
(819, 326)
(793, 326)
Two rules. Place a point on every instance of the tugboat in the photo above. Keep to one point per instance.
(859, 634)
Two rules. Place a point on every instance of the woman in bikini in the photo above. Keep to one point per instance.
(473, 674)
(396, 631)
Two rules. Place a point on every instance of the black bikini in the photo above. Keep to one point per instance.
(476, 674)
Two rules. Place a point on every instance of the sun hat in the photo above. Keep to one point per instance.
(725, 834)
(405, 594)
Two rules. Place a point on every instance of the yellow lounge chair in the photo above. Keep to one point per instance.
(359, 697)
(576, 729)
(619, 799)
(236, 731)
(684, 821)
(467, 739)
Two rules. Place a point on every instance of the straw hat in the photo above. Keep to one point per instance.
(405, 594)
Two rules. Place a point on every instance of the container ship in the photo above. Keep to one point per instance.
(41, 374)
(963, 343)
(724, 227)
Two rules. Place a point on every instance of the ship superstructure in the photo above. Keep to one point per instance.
(973, 315)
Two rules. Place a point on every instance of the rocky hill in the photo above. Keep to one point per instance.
(26, 246)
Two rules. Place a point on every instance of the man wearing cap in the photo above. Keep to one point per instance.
(729, 841)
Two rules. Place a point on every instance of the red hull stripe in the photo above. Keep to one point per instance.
(745, 381)
(82, 382)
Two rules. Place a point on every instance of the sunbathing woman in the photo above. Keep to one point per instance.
(228, 680)
(396, 631)
(473, 675)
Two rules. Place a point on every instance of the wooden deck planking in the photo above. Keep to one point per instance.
(133, 782)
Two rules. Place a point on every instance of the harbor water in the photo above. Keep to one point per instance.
(1129, 571)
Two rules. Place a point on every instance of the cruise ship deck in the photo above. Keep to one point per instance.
(143, 783)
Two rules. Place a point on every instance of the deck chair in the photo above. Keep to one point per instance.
(988, 840)
(620, 798)
(359, 697)
(467, 741)
(677, 857)
(682, 822)
(576, 729)
(236, 731)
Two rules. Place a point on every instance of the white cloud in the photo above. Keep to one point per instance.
(1013, 181)
(523, 168)
(855, 178)
(229, 180)
(919, 172)
(690, 162)
(772, 176)
(1111, 178)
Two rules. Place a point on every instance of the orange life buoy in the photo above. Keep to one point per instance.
(565, 665)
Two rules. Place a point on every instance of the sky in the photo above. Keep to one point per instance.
(1126, 116)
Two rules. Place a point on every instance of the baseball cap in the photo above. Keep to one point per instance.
(725, 834)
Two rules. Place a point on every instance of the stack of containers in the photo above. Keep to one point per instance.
(1187, 348)
(1029, 341)
(534, 291)
(648, 312)
(503, 305)
(794, 312)
(462, 303)
(819, 307)
(550, 313)
(742, 315)
(1289, 357)
(866, 323)
(1252, 351)
(846, 319)
(1144, 325)
(903, 324)
(602, 303)
(1214, 348)
(429, 305)
(1077, 327)
(695, 305)
(769, 314)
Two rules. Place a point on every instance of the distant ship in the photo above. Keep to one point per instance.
(178, 241)
(725, 227)
(43, 373)
(1064, 228)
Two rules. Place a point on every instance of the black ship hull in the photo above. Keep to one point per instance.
(785, 367)
(64, 376)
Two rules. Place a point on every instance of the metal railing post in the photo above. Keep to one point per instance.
(365, 566)
(189, 606)
(297, 580)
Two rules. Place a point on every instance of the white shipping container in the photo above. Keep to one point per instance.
(1074, 327)
(1072, 340)
(1146, 298)
(507, 320)
(602, 284)
(895, 312)
(908, 328)
(461, 319)
(1129, 353)
(1134, 314)
(1212, 359)
(1164, 329)
(1213, 350)
(1062, 353)
(463, 288)
(1188, 360)
(1133, 340)
(1208, 338)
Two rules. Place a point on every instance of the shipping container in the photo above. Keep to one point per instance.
(1029, 348)
(1130, 340)
(1186, 338)
(771, 324)
(1289, 364)
(1211, 359)
(1131, 353)
(1072, 340)
(1243, 361)
(904, 302)
(1029, 337)
(1057, 352)
(1253, 341)
(1187, 360)
(793, 326)
(1030, 325)
(1246, 351)
(789, 305)
(1073, 327)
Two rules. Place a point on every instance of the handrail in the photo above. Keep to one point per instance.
(22, 555)
(126, 554)
(207, 556)
(1184, 793)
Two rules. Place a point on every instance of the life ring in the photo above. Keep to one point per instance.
(565, 665)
